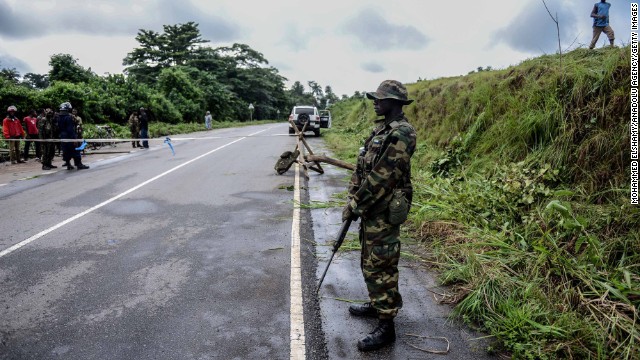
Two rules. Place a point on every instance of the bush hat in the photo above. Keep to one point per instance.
(391, 89)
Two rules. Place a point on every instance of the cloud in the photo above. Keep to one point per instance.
(10, 62)
(12, 24)
(376, 33)
(372, 67)
(533, 30)
(117, 17)
(294, 39)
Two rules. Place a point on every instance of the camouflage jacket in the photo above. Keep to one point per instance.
(47, 127)
(384, 166)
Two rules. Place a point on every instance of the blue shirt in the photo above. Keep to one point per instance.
(603, 9)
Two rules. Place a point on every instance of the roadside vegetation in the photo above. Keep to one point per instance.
(522, 190)
(175, 76)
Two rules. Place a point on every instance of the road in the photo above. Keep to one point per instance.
(193, 256)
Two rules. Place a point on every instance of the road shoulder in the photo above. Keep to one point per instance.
(421, 315)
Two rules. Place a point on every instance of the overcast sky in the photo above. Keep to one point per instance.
(348, 44)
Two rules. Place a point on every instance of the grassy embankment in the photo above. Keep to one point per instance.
(522, 196)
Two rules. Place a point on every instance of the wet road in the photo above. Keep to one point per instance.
(192, 256)
(166, 257)
(421, 316)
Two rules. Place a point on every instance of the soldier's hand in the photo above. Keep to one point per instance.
(347, 214)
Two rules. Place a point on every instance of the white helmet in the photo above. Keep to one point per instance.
(12, 108)
(65, 106)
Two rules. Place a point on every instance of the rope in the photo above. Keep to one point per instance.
(148, 139)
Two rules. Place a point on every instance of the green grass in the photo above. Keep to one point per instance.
(521, 198)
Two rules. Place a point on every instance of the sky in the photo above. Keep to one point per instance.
(351, 45)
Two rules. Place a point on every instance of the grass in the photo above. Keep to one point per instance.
(521, 200)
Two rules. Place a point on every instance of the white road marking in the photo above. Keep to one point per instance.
(106, 202)
(297, 314)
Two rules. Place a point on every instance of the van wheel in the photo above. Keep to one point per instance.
(291, 131)
(317, 132)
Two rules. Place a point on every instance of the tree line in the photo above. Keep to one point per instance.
(171, 73)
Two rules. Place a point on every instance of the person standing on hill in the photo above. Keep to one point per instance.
(143, 120)
(13, 131)
(380, 194)
(600, 15)
(31, 124)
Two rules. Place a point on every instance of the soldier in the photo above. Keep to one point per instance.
(78, 121)
(143, 120)
(134, 128)
(47, 129)
(68, 131)
(380, 194)
(13, 131)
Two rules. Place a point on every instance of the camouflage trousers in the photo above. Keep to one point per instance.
(48, 150)
(379, 262)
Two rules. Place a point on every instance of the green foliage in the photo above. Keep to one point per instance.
(36, 81)
(11, 75)
(175, 84)
(65, 67)
(521, 193)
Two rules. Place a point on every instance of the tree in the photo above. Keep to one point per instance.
(36, 81)
(176, 85)
(243, 56)
(329, 96)
(12, 75)
(316, 91)
(177, 45)
(297, 89)
(65, 67)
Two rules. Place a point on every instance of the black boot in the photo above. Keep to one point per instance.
(46, 167)
(366, 310)
(384, 334)
(78, 162)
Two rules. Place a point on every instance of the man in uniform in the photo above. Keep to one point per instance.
(382, 178)
(47, 129)
(68, 131)
(134, 128)
(78, 121)
(143, 120)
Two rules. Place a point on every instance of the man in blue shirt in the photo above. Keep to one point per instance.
(600, 15)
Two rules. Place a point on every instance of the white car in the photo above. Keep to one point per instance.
(303, 114)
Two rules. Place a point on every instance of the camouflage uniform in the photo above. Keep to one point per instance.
(47, 129)
(134, 128)
(383, 166)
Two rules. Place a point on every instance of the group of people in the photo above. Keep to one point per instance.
(48, 131)
(139, 128)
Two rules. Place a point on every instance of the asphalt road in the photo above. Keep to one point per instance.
(155, 256)
(192, 265)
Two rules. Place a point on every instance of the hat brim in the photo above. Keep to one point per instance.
(376, 96)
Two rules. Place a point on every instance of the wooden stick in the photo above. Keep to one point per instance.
(328, 160)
